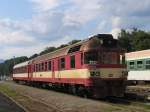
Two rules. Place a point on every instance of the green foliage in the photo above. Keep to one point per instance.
(134, 40)
(73, 42)
(33, 56)
(6, 68)
(51, 49)
(47, 50)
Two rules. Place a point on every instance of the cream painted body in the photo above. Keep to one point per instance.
(23, 75)
(139, 75)
(81, 73)
(42, 74)
(115, 72)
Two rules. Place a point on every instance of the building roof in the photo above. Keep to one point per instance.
(138, 55)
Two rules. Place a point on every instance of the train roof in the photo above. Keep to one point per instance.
(91, 42)
(138, 55)
(21, 64)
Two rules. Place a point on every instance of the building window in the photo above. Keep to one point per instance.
(72, 61)
(131, 65)
(62, 63)
(147, 64)
(49, 65)
(139, 64)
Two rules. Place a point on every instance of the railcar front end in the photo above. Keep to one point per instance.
(106, 74)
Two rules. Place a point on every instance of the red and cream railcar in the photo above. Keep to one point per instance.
(90, 67)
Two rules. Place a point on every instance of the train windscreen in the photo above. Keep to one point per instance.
(94, 57)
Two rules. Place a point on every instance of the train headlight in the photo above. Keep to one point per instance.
(95, 73)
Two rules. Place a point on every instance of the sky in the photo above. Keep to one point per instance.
(29, 26)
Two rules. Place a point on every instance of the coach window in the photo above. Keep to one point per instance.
(132, 65)
(81, 58)
(23, 69)
(36, 67)
(147, 64)
(49, 65)
(39, 67)
(45, 66)
(42, 67)
(139, 64)
(33, 68)
(72, 61)
(62, 63)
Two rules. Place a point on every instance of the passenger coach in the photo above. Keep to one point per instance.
(92, 67)
(138, 65)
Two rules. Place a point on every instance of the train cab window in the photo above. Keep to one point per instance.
(72, 61)
(49, 65)
(139, 64)
(131, 64)
(91, 58)
(147, 64)
(62, 63)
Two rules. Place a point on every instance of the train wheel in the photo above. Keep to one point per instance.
(72, 90)
(82, 92)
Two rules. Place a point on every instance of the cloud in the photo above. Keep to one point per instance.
(44, 5)
(82, 11)
(55, 22)
(11, 37)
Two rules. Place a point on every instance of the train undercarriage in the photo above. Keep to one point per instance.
(101, 88)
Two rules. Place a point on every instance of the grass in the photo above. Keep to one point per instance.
(6, 90)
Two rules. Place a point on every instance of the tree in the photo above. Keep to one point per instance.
(134, 40)
(47, 50)
(6, 68)
(73, 42)
(33, 56)
(125, 40)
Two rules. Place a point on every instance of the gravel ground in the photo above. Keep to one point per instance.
(6, 105)
(40, 100)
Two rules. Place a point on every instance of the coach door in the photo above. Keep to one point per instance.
(53, 69)
(29, 71)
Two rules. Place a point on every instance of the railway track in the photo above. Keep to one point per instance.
(129, 98)
(37, 100)
(140, 93)
(132, 94)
